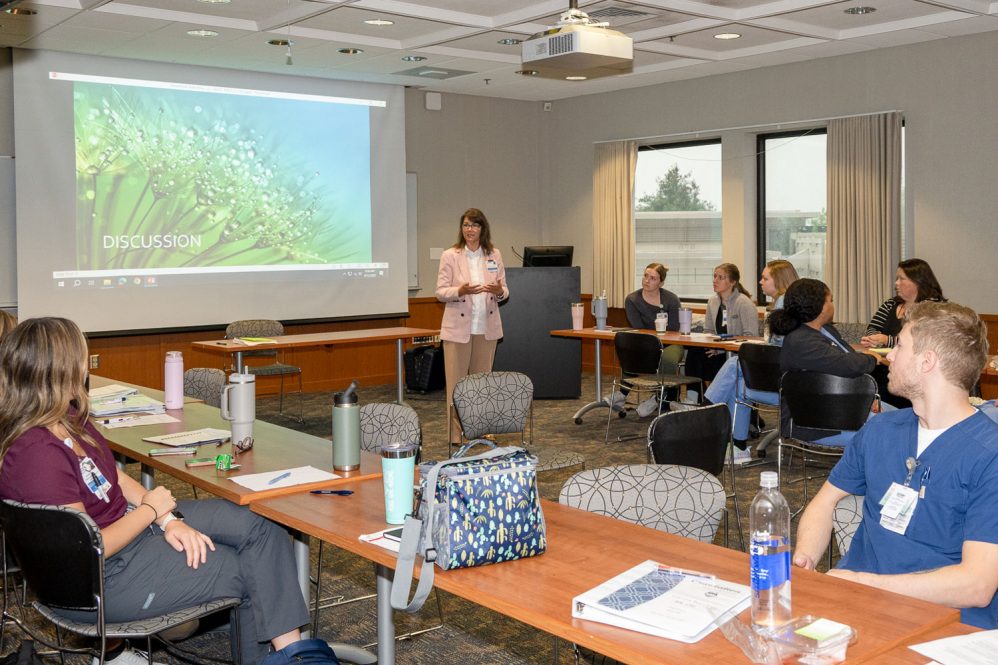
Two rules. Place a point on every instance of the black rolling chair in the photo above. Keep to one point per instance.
(820, 406)
(61, 554)
(643, 370)
(760, 368)
(698, 438)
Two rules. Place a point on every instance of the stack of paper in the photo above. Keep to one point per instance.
(129, 404)
(663, 601)
(110, 393)
(192, 438)
(254, 341)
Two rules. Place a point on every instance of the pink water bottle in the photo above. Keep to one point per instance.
(174, 380)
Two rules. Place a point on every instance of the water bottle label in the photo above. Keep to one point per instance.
(770, 563)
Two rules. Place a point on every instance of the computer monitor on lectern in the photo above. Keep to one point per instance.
(556, 256)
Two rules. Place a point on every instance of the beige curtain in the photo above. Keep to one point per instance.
(864, 212)
(613, 220)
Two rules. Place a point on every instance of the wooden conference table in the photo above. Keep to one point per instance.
(585, 550)
(274, 448)
(902, 655)
(398, 335)
(703, 340)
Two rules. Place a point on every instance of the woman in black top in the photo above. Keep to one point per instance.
(914, 282)
(811, 342)
(643, 305)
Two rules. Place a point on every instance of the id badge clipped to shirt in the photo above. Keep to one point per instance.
(492, 266)
(897, 507)
(95, 480)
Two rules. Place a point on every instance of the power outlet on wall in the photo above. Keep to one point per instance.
(95, 361)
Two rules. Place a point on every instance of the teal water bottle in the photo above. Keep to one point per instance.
(398, 468)
(346, 430)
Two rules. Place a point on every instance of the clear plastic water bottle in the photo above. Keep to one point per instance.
(769, 529)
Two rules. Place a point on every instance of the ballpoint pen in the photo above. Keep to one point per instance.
(279, 478)
(335, 492)
(108, 421)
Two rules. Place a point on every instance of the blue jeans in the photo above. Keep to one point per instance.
(726, 386)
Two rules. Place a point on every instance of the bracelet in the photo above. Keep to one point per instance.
(149, 506)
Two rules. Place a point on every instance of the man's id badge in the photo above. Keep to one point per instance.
(897, 507)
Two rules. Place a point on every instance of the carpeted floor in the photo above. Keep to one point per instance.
(471, 634)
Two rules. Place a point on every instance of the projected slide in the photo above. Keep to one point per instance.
(158, 196)
(175, 179)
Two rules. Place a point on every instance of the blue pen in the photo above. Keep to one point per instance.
(279, 478)
(336, 492)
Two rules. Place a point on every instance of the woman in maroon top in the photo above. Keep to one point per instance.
(156, 559)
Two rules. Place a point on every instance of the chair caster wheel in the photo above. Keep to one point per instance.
(578, 421)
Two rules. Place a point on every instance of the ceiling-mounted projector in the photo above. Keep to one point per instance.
(579, 47)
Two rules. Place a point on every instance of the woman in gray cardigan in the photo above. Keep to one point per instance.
(729, 311)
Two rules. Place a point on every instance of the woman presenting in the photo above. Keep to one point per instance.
(157, 559)
(472, 283)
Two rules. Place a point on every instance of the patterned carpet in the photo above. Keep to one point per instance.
(471, 634)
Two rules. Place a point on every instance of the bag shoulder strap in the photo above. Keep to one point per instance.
(411, 544)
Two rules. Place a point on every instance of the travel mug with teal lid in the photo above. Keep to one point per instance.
(346, 430)
(398, 469)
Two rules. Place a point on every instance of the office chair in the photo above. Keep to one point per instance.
(494, 403)
(697, 438)
(820, 406)
(643, 369)
(61, 554)
(268, 328)
(759, 365)
(205, 384)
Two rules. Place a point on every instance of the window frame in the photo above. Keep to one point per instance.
(760, 226)
(650, 147)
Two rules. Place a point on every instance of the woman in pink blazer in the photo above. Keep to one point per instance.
(472, 283)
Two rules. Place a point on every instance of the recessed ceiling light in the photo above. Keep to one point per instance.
(727, 35)
(379, 21)
(21, 11)
(413, 58)
(859, 10)
(527, 72)
(203, 32)
(350, 51)
(215, 2)
(575, 78)
(510, 41)
(279, 42)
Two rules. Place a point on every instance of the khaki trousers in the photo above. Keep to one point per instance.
(461, 359)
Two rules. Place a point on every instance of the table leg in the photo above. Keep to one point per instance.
(600, 401)
(303, 567)
(399, 372)
(386, 622)
(147, 477)
(239, 362)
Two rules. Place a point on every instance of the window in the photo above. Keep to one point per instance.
(677, 214)
(793, 201)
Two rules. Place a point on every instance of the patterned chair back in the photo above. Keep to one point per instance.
(255, 328)
(493, 403)
(205, 384)
(846, 517)
(676, 499)
(388, 423)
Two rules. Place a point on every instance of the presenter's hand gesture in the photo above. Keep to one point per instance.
(190, 541)
(470, 289)
(495, 288)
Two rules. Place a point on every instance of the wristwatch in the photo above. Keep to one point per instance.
(172, 515)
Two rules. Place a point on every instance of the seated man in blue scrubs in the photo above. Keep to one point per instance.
(929, 475)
